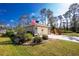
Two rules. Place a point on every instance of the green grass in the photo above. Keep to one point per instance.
(72, 34)
(50, 48)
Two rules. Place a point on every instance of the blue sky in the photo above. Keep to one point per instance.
(12, 11)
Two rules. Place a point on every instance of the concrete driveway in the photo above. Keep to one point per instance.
(64, 37)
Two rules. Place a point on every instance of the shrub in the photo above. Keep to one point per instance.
(12, 38)
(20, 34)
(28, 36)
(37, 40)
(67, 31)
(17, 39)
(44, 37)
(9, 33)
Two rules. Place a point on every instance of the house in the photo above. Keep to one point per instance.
(36, 26)
(37, 29)
(2, 30)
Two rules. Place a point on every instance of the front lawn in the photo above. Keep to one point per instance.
(50, 48)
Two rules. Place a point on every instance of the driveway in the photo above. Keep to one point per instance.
(64, 37)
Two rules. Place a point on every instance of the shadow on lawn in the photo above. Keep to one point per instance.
(72, 38)
(6, 43)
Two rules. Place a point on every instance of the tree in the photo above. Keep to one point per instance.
(73, 28)
(67, 17)
(74, 8)
(24, 20)
(60, 18)
(50, 18)
(43, 13)
(49, 14)
(55, 22)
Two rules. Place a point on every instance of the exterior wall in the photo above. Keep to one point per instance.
(37, 30)
(42, 30)
(31, 29)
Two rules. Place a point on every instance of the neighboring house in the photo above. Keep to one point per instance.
(2, 30)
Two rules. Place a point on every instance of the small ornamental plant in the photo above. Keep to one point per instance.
(44, 37)
(28, 36)
(37, 40)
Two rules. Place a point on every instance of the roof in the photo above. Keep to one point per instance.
(38, 25)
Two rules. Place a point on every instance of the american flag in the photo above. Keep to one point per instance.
(33, 22)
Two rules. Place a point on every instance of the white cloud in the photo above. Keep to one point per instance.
(11, 20)
(8, 25)
(63, 8)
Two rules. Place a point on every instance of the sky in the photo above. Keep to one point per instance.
(11, 12)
